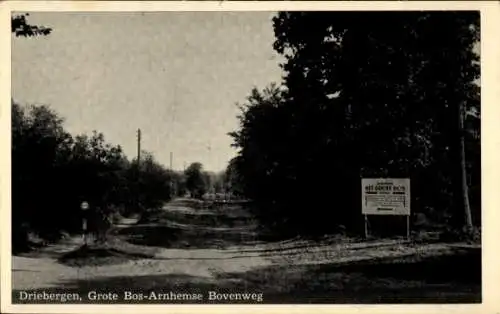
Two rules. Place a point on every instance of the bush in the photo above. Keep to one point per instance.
(53, 172)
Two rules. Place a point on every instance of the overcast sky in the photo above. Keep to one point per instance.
(175, 75)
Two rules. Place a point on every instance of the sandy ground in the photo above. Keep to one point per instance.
(277, 267)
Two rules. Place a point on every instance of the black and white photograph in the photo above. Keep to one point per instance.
(246, 157)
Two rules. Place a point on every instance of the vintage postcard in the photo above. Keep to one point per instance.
(263, 155)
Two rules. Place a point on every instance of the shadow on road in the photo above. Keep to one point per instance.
(182, 225)
(96, 256)
(189, 238)
(430, 280)
(433, 269)
(452, 278)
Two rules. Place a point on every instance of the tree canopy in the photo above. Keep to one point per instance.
(365, 94)
(58, 171)
(53, 171)
(196, 180)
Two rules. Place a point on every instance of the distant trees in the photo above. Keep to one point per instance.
(196, 180)
(232, 180)
(53, 172)
(218, 182)
(180, 188)
(365, 94)
(98, 170)
(155, 182)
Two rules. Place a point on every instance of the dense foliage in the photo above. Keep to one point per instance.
(365, 94)
(198, 181)
(232, 180)
(195, 182)
(53, 172)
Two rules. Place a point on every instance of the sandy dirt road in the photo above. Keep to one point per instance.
(180, 249)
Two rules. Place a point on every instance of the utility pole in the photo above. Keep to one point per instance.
(138, 147)
(172, 187)
(84, 206)
(209, 148)
(464, 189)
(138, 165)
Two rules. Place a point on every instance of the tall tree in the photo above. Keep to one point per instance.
(196, 180)
(381, 60)
(232, 179)
(154, 181)
(20, 27)
(366, 94)
(40, 146)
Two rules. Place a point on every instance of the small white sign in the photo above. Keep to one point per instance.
(84, 206)
(385, 196)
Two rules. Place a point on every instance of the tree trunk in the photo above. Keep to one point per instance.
(464, 190)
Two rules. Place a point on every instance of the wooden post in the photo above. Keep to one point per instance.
(138, 191)
(84, 207)
(138, 147)
(366, 226)
(408, 227)
(84, 227)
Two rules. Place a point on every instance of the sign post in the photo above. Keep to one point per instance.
(84, 206)
(408, 227)
(386, 196)
(366, 226)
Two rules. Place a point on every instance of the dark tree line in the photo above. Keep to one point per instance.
(232, 180)
(199, 182)
(365, 94)
(53, 172)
